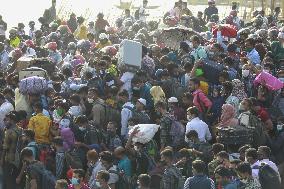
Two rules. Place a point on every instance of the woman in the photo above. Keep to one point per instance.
(228, 116)
(68, 138)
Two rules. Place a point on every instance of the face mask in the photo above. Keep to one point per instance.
(238, 50)
(72, 51)
(90, 100)
(267, 71)
(136, 88)
(82, 128)
(248, 49)
(60, 112)
(155, 39)
(98, 184)
(75, 181)
(190, 45)
(245, 73)
(241, 107)
(279, 127)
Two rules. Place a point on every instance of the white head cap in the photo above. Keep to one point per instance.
(142, 101)
(173, 100)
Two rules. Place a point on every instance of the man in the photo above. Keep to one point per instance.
(252, 54)
(175, 110)
(72, 23)
(223, 178)
(107, 159)
(144, 181)
(245, 172)
(251, 157)
(198, 51)
(183, 53)
(98, 110)
(142, 11)
(199, 180)
(165, 123)
(57, 142)
(264, 154)
(4, 57)
(210, 10)
(100, 24)
(172, 176)
(32, 30)
(127, 16)
(28, 138)
(103, 179)
(77, 180)
(5, 108)
(3, 28)
(41, 125)
(91, 28)
(61, 184)
(10, 155)
(126, 112)
(32, 175)
(277, 47)
(124, 164)
(112, 140)
(200, 100)
(139, 112)
(143, 90)
(194, 123)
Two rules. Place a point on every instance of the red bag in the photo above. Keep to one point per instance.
(227, 30)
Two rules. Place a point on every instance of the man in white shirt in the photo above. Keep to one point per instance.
(142, 11)
(251, 157)
(4, 57)
(263, 156)
(5, 108)
(252, 54)
(125, 81)
(198, 125)
(126, 112)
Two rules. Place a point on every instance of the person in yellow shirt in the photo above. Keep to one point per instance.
(104, 41)
(14, 38)
(81, 31)
(41, 125)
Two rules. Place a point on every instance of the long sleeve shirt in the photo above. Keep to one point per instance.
(198, 98)
(126, 114)
(200, 127)
(254, 57)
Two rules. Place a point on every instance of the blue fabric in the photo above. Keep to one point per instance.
(145, 93)
(125, 165)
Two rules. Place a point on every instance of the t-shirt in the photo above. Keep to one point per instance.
(209, 11)
(126, 79)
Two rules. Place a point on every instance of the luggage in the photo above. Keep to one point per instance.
(226, 30)
(23, 63)
(269, 81)
(32, 71)
(146, 132)
(235, 135)
(130, 56)
(33, 85)
(212, 71)
(45, 64)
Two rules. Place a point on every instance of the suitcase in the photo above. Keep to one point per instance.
(130, 56)
(238, 135)
(45, 64)
(32, 71)
(23, 63)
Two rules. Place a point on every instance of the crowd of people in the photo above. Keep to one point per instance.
(218, 101)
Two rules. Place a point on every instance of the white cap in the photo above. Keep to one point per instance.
(281, 35)
(172, 100)
(103, 36)
(142, 101)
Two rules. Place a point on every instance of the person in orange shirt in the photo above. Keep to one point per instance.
(41, 125)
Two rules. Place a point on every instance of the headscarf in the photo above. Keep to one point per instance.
(228, 116)
(157, 94)
(239, 89)
(68, 138)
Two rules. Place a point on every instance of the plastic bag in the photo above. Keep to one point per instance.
(145, 134)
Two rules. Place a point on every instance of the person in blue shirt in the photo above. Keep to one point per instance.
(252, 54)
(124, 164)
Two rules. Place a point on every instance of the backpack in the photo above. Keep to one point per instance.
(179, 180)
(36, 149)
(268, 177)
(18, 150)
(73, 160)
(47, 179)
(142, 117)
(259, 134)
(177, 132)
(123, 182)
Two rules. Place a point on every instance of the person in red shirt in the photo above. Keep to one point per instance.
(262, 114)
(100, 24)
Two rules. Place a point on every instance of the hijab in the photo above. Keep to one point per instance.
(228, 116)
(68, 138)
